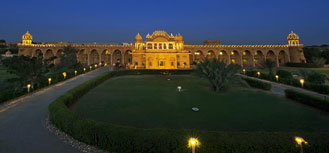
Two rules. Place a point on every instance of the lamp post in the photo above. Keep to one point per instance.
(49, 81)
(277, 78)
(244, 71)
(28, 87)
(193, 143)
(64, 75)
(75, 72)
(84, 69)
(258, 74)
(301, 82)
(300, 141)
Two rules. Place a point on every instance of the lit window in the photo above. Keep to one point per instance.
(150, 63)
(170, 46)
(155, 46)
(233, 61)
(244, 61)
(162, 63)
(164, 46)
(220, 53)
(172, 64)
(160, 46)
(149, 46)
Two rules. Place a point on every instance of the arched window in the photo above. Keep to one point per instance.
(164, 46)
(170, 46)
(160, 46)
(149, 46)
(155, 46)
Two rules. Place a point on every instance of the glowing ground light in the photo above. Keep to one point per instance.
(28, 87)
(90, 67)
(300, 141)
(277, 77)
(244, 71)
(193, 143)
(49, 81)
(64, 75)
(84, 69)
(301, 82)
(179, 88)
(75, 72)
(258, 73)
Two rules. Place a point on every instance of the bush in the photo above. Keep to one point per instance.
(306, 99)
(316, 78)
(284, 74)
(115, 138)
(304, 65)
(258, 84)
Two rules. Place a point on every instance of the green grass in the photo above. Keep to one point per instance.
(154, 102)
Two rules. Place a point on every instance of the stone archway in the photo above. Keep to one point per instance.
(128, 57)
(198, 56)
(271, 56)
(94, 57)
(83, 57)
(283, 58)
(211, 54)
(259, 58)
(106, 57)
(38, 53)
(235, 57)
(117, 57)
(49, 53)
(58, 55)
(247, 59)
(224, 57)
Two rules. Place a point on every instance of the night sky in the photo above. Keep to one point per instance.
(107, 21)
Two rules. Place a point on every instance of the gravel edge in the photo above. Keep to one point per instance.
(82, 147)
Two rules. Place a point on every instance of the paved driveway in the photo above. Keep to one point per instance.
(22, 127)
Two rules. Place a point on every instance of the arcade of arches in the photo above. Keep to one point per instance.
(163, 51)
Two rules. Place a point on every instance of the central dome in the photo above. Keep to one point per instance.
(293, 36)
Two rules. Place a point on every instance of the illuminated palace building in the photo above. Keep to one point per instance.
(163, 51)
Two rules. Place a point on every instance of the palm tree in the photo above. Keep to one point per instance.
(220, 75)
(270, 65)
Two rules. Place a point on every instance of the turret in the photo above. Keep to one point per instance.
(27, 38)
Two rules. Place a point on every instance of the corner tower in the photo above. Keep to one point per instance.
(138, 42)
(27, 39)
(293, 39)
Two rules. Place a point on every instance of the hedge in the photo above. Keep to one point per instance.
(304, 65)
(319, 88)
(123, 139)
(320, 103)
(258, 84)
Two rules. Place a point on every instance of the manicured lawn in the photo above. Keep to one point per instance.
(154, 102)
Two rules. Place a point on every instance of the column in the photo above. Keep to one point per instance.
(253, 61)
(88, 59)
(100, 58)
(241, 60)
(277, 61)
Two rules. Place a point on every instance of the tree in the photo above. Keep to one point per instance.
(29, 70)
(311, 52)
(325, 55)
(270, 65)
(312, 76)
(68, 60)
(220, 75)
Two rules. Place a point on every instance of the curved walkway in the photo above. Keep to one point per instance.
(278, 88)
(22, 127)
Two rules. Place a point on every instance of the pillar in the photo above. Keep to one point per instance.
(277, 61)
(88, 59)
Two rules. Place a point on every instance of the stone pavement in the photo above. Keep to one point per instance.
(22, 122)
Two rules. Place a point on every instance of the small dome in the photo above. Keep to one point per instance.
(138, 37)
(179, 37)
(293, 36)
(27, 36)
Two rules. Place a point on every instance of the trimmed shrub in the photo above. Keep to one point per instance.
(258, 84)
(284, 74)
(305, 65)
(320, 103)
(123, 139)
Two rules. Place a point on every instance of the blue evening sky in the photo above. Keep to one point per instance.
(107, 21)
